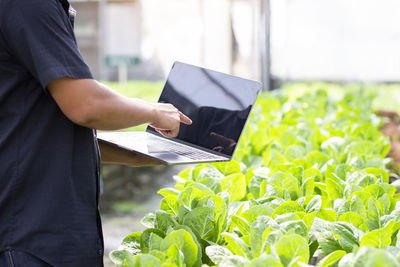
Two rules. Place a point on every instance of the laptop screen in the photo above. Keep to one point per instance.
(217, 103)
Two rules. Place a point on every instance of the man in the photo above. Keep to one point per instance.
(49, 160)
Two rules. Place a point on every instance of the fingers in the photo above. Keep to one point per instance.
(168, 119)
(168, 133)
(185, 119)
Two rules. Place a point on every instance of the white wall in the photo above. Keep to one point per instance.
(160, 32)
(192, 31)
(336, 40)
(122, 29)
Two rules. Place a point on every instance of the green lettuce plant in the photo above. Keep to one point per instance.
(309, 181)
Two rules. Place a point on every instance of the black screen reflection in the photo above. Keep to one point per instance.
(217, 103)
(215, 128)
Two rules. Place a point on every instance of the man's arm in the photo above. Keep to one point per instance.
(89, 103)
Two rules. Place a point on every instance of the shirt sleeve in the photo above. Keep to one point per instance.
(40, 36)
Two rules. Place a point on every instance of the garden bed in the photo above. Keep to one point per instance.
(309, 186)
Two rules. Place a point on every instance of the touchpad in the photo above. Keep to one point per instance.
(169, 157)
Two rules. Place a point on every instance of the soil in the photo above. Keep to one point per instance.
(392, 129)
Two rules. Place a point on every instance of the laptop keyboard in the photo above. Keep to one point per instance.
(156, 145)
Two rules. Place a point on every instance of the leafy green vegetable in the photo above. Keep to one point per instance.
(292, 246)
(218, 253)
(235, 184)
(181, 241)
(309, 179)
(236, 245)
(265, 260)
(119, 257)
(332, 258)
(201, 221)
(379, 238)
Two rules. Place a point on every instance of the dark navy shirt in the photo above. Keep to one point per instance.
(48, 164)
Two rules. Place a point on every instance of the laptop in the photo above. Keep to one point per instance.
(219, 105)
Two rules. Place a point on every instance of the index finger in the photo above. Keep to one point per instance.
(185, 119)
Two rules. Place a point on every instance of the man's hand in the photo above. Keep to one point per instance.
(168, 120)
(94, 105)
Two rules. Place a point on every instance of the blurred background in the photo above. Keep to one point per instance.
(132, 44)
(337, 40)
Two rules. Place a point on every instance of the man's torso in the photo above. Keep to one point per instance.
(48, 165)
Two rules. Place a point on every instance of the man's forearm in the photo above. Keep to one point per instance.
(109, 110)
(91, 104)
(97, 106)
